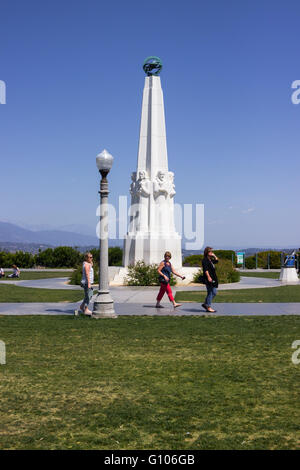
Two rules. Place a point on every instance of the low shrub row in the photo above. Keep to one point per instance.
(196, 260)
(263, 260)
(59, 257)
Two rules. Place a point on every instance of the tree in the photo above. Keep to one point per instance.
(45, 258)
(66, 257)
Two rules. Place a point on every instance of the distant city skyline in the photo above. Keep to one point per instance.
(74, 83)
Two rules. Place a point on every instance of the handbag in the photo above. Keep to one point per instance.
(201, 279)
(162, 280)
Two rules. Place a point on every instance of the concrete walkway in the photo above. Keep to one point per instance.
(141, 300)
(62, 283)
(148, 308)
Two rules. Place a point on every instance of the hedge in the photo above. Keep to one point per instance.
(59, 257)
(225, 271)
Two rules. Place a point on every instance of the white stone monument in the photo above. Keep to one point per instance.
(151, 229)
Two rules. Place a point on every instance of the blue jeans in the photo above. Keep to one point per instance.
(211, 293)
(88, 294)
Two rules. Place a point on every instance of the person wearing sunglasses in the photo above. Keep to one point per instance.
(210, 278)
(164, 270)
(87, 282)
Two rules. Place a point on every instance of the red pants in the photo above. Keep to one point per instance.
(165, 288)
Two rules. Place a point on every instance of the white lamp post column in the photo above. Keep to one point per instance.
(104, 304)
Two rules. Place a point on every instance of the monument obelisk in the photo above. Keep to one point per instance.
(151, 229)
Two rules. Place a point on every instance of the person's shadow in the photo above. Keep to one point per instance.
(179, 309)
(59, 311)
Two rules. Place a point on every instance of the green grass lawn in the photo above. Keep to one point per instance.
(149, 383)
(271, 294)
(30, 294)
(268, 294)
(268, 275)
(29, 275)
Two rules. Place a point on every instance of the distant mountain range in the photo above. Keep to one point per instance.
(13, 237)
(14, 234)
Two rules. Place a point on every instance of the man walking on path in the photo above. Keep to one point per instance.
(210, 277)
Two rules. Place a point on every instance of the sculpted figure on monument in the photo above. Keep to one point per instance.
(142, 191)
(160, 193)
(161, 185)
(172, 191)
(133, 207)
(143, 185)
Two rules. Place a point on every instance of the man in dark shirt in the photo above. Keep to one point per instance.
(210, 277)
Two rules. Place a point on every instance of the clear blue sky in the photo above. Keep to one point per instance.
(73, 71)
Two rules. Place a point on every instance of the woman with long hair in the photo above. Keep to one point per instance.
(210, 277)
(87, 282)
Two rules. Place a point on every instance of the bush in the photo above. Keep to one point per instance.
(226, 254)
(262, 260)
(250, 262)
(20, 258)
(24, 260)
(115, 256)
(225, 272)
(196, 260)
(275, 260)
(59, 257)
(197, 275)
(6, 259)
(66, 257)
(142, 274)
(45, 258)
(193, 260)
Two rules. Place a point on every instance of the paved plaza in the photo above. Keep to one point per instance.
(148, 309)
(141, 300)
(139, 293)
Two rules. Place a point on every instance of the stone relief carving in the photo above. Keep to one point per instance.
(160, 186)
(163, 188)
(172, 191)
(140, 190)
(143, 184)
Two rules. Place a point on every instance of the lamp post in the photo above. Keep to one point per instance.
(104, 304)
